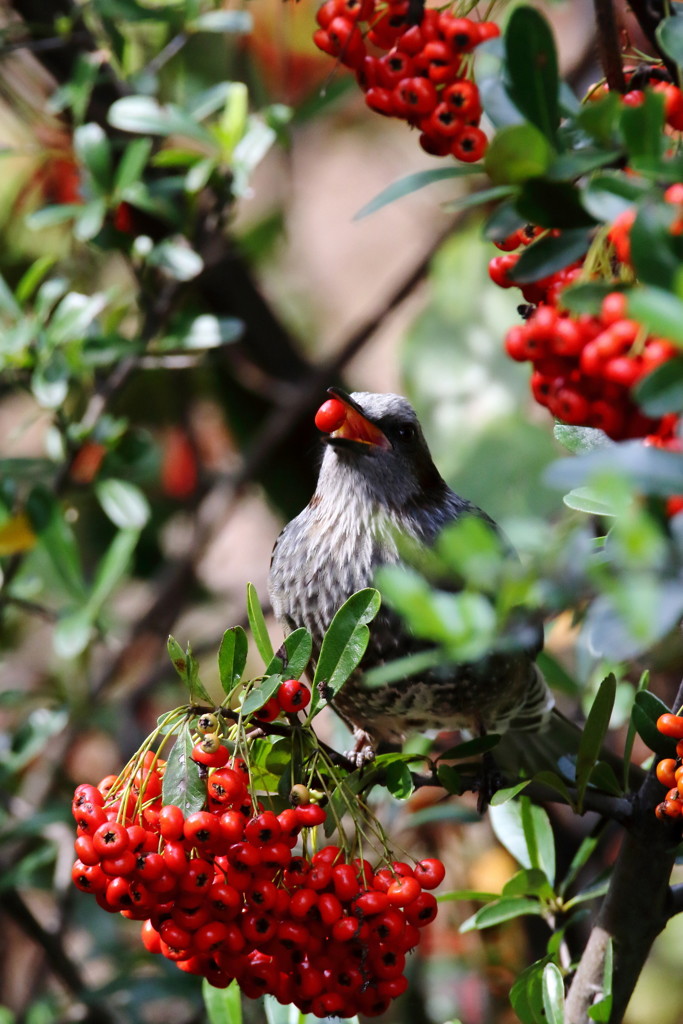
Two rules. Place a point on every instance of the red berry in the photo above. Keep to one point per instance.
(430, 872)
(293, 696)
(470, 144)
(330, 416)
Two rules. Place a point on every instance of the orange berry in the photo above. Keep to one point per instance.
(666, 772)
(671, 725)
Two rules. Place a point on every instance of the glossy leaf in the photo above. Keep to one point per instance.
(528, 882)
(526, 995)
(412, 183)
(232, 657)
(292, 658)
(344, 643)
(261, 694)
(516, 153)
(579, 440)
(553, 994)
(257, 624)
(223, 1005)
(505, 909)
(647, 708)
(145, 115)
(656, 260)
(93, 149)
(182, 785)
(531, 69)
(123, 503)
(550, 254)
(501, 796)
(662, 390)
(594, 732)
(399, 780)
(539, 837)
(608, 195)
(553, 204)
(585, 499)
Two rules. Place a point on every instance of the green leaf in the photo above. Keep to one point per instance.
(261, 694)
(123, 503)
(578, 440)
(585, 499)
(593, 735)
(187, 668)
(539, 837)
(528, 882)
(239, 22)
(658, 310)
(177, 259)
(526, 995)
(57, 540)
(661, 391)
(642, 126)
(550, 254)
(344, 644)
(73, 633)
(112, 568)
(232, 657)
(669, 34)
(479, 745)
(608, 195)
(501, 796)
(602, 1009)
(411, 183)
(651, 470)
(553, 204)
(50, 216)
(579, 860)
(572, 165)
(473, 199)
(450, 778)
(293, 657)
(504, 909)
(182, 785)
(553, 994)
(222, 1005)
(399, 780)
(257, 624)
(647, 708)
(643, 686)
(132, 164)
(31, 279)
(532, 69)
(655, 254)
(516, 153)
(93, 149)
(144, 115)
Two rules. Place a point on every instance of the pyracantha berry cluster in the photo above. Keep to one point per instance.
(670, 769)
(420, 73)
(235, 892)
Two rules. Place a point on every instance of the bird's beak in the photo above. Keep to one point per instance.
(356, 427)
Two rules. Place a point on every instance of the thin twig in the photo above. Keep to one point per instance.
(608, 45)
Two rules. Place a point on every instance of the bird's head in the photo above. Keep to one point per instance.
(377, 438)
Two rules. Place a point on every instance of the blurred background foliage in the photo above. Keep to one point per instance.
(183, 278)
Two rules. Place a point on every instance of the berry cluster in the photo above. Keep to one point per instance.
(670, 769)
(649, 77)
(420, 73)
(224, 893)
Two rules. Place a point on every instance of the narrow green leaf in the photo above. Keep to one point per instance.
(504, 909)
(187, 668)
(579, 860)
(501, 796)
(553, 994)
(594, 732)
(539, 837)
(32, 278)
(468, 894)
(585, 499)
(608, 195)
(123, 503)
(531, 66)
(112, 568)
(261, 694)
(232, 657)
(411, 183)
(132, 164)
(182, 785)
(239, 22)
(662, 390)
(145, 115)
(222, 1005)
(550, 254)
(344, 644)
(473, 199)
(470, 748)
(93, 149)
(529, 882)
(601, 1010)
(73, 633)
(526, 995)
(257, 624)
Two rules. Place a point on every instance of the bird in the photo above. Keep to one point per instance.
(378, 484)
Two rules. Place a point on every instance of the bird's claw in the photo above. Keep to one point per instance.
(363, 751)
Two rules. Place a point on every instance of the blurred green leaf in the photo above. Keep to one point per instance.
(642, 126)
(132, 164)
(651, 470)
(661, 391)
(344, 644)
(57, 539)
(182, 785)
(239, 22)
(112, 567)
(222, 1005)
(656, 260)
(586, 499)
(531, 69)
(516, 153)
(578, 440)
(470, 748)
(123, 503)
(93, 149)
(553, 994)
(669, 34)
(178, 260)
(539, 837)
(146, 116)
(232, 657)
(593, 734)
(658, 310)
(73, 632)
(485, 195)
(553, 204)
(411, 183)
(257, 624)
(608, 195)
(647, 708)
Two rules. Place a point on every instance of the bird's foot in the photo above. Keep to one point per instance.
(363, 751)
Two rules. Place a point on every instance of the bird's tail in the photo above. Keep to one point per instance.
(542, 739)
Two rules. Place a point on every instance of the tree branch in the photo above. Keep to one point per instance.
(608, 45)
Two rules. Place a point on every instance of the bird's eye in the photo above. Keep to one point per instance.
(408, 432)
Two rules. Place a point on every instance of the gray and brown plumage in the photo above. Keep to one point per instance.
(378, 481)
